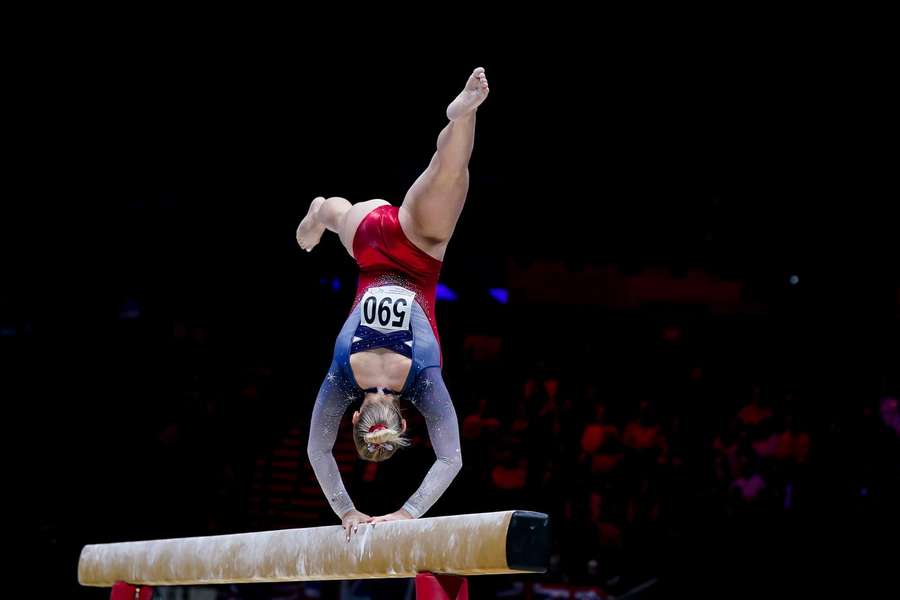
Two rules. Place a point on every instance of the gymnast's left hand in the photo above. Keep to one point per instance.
(400, 515)
(352, 520)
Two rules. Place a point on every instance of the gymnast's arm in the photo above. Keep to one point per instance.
(331, 403)
(440, 417)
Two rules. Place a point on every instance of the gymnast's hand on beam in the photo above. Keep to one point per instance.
(351, 521)
(400, 515)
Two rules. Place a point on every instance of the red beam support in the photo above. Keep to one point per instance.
(441, 587)
(125, 591)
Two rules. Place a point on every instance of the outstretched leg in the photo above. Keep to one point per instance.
(334, 214)
(324, 213)
(433, 204)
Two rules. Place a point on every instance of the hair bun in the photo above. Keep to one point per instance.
(381, 435)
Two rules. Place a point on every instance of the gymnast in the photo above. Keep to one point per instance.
(389, 347)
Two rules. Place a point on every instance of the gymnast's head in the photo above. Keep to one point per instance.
(378, 427)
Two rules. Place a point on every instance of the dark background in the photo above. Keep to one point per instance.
(159, 318)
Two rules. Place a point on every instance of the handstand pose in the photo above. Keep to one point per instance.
(389, 346)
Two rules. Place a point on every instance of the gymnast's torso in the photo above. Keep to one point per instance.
(389, 339)
(386, 256)
(394, 276)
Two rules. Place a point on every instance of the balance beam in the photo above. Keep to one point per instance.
(476, 544)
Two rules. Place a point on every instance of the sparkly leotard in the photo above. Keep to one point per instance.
(391, 265)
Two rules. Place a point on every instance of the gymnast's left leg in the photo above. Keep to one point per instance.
(323, 213)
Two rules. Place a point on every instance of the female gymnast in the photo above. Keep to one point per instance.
(389, 347)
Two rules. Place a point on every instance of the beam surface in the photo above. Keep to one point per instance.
(474, 544)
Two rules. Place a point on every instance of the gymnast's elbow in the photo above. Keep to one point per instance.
(453, 462)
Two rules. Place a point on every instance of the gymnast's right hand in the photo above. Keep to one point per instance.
(352, 520)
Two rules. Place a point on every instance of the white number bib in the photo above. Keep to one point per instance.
(387, 308)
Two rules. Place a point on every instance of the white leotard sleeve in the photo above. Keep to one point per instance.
(331, 403)
(432, 399)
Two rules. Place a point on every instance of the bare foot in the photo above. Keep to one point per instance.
(473, 94)
(310, 230)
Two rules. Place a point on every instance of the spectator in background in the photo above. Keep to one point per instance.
(540, 392)
(541, 439)
(755, 411)
(675, 447)
(477, 425)
(509, 474)
(749, 483)
(791, 445)
(601, 449)
(890, 412)
(605, 522)
(520, 422)
(644, 436)
(726, 447)
(764, 440)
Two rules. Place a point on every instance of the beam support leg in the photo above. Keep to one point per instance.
(125, 591)
(441, 587)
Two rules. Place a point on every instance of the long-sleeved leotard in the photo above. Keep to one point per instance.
(424, 386)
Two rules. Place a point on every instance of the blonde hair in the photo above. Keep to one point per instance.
(380, 444)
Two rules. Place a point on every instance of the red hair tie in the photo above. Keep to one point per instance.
(377, 426)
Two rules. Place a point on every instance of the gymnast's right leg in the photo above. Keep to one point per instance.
(334, 214)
